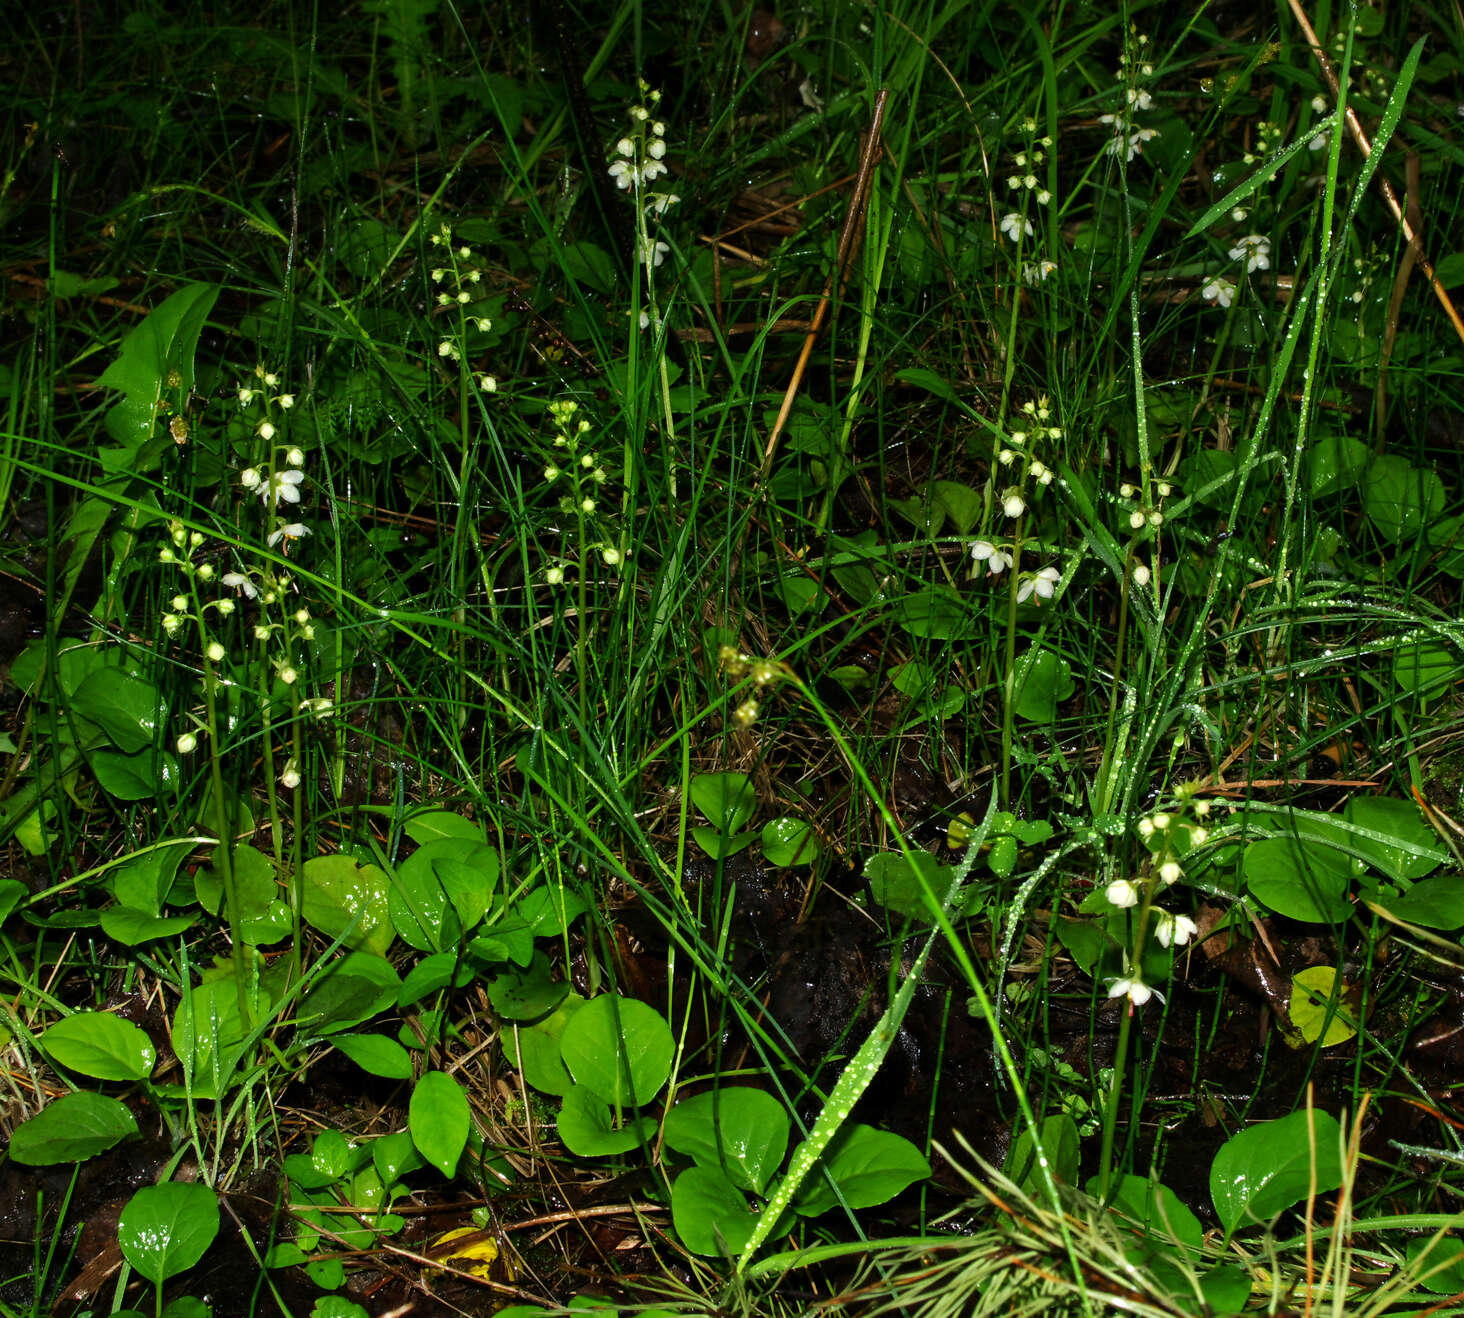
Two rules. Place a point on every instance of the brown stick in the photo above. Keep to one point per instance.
(847, 241)
(1354, 126)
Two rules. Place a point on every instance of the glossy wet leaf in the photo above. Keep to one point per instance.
(1426, 668)
(421, 912)
(431, 975)
(909, 886)
(394, 1156)
(1405, 848)
(263, 916)
(710, 1214)
(12, 893)
(1439, 1262)
(1401, 500)
(1311, 991)
(962, 504)
(534, 1049)
(1266, 1168)
(1154, 1209)
(126, 707)
(352, 990)
(330, 1155)
(1335, 463)
(870, 1166)
(740, 1131)
(586, 1127)
(434, 824)
(101, 1045)
(133, 777)
(787, 842)
(165, 1229)
(936, 613)
(1300, 879)
(132, 927)
(346, 898)
(619, 1049)
(71, 1128)
(438, 1118)
(549, 909)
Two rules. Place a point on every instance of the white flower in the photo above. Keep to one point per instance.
(1219, 289)
(284, 486)
(1015, 226)
(238, 581)
(1255, 250)
(1139, 98)
(1012, 503)
(488, 384)
(215, 652)
(554, 576)
(266, 430)
(1135, 990)
(1041, 584)
(996, 559)
(1141, 575)
(1170, 872)
(1136, 520)
(657, 202)
(1032, 275)
(1122, 893)
(289, 675)
(295, 457)
(287, 401)
(290, 531)
(1161, 821)
(653, 252)
(186, 743)
(1174, 930)
(290, 777)
(611, 555)
(250, 478)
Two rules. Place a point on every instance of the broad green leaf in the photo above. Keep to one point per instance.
(534, 1049)
(1426, 668)
(1302, 880)
(962, 504)
(394, 1156)
(353, 989)
(936, 613)
(710, 1214)
(740, 1131)
(1057, 1144)
(330, 1154)
(619, 1049)
(586, 1130)
(1045, 680)
(727, 799)
(100, 1045)
(136, 777)
(126, 707)
(376, 1054)
(870, 1166)
(1436, 903)
(72, 1128)
(909, 887)
(1335, 463)
(345, 898)
(130, 926)
(787, 842)
(436, 824)
(438, 1118)
(1438, 1261)
(166, 1229)
(549, 909)
(12, 893)
(144, 878)
(1267, 1168)
(1408, 847)
(432, 974)
(529, 993)
(1154, 1209)
(1401, 501)
(1311, 991)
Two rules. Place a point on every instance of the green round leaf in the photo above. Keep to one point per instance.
(619, 1049)
(1048, 682)
(100, 1045)
(125, 707)
(787, 842)
(587, 1131)
(165, 1229)
(1311, 991)
(870, 1166)
(711, 1215)
(344, 898)
(1401, 500)
(1439, 1262)
(376, 1054)
(1436, 903)
(936, 613)
(1267, 1168)
(1425, 667)
(1407, 849)
(73, 1128)
(740, 1131)
(727, 799)
(438, 1118)
(1302, 880)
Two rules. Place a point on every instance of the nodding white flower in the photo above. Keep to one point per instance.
(295, 457)
(290, 777)
(488, 384)
(290, 531)
(186, 743)
(250, 478)
(1171, 872)
(266, 430)
(1006, 457)
(1141, 575)
(287, 401)
(1135, 990)
(289, 675)
(1041, 584)
(238, 581)
(1136, 520)
(1174, 930)
(215, 652)
(611, 555)
(1016, 226)
(1219, 289)
(1140, 99)
(1012, 503)
(284, 486)
(554, 576)
(246, 395)
(1255, 250)
(1122, 893)
(657, 202)
(997, 560)
(1032, 275)
(653, 252)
